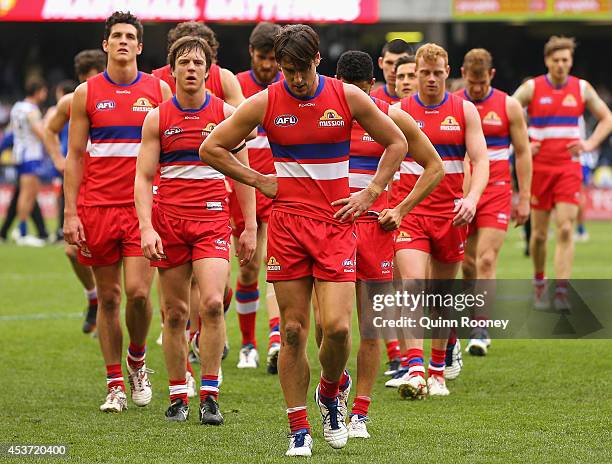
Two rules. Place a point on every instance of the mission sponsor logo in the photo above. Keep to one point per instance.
(285, 120)
(570, 101)
(142, 105)
(403, 237)
(172, 131)
(105, 105)
(208, 129)
(492, 119)
(331, 118)
(367, 138)
(273, 264)
(450, 124)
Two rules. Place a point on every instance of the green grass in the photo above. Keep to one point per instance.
(529, 401)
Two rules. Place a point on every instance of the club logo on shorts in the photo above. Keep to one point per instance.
(221, 244)
(285, 120)
(105, 105)
(273, 264)
(450, 124)
(492, 119)
(569, 100)
(172, 131)
(348, 265)
(331, 118)
(208, 129)
(403, 237)
(502, 218)
(546, 101)
(142, 105)
(385, 267)
(85, 251)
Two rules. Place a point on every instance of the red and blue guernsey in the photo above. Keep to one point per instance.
(554, 113)
(188, 188)
(310, 139)
(444, 125)
(381, 93)
(496, 129)
(260, 155)
(364, 156)
(213, 80)
(116, 114)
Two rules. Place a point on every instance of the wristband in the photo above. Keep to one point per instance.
(237, 149)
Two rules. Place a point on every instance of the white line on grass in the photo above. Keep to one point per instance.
(40, 316)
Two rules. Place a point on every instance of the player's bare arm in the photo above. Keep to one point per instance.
(165, 90)
(247, 243)
(524, 95)
(231, 88)
(522, 151)
(36, 123)
(54, 123)
(146, 167)
(476, 148)
(600, 110)
(77, 144)
(382, 129)
(423, 153)
(215, 150)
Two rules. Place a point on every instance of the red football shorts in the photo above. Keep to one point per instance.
(299, 246)
(374, 252)
(434, 235)
(263, 205)
(186, 240)
(560, 186)
(111, 232)
(493, 209)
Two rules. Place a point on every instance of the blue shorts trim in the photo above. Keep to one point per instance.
(30, 167)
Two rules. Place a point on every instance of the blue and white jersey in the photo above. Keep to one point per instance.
(26, 146)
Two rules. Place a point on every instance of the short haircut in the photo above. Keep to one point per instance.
(298, 44)
(187, 44)
(355, 66)
(33, 85)
(196, 29)
(397, 47)
(556, 43)
(66, 86)
(404, 60)
(478, 61)
(87, 60)
(262, 36)
(430, 53)
(119, 17)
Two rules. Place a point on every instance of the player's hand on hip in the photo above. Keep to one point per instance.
(151, 244)
(520, 212)
(535, 147)
(247, 243)
(268, 185)
(74, 233)
(578, 146)
(390, 219)
(60, 165)
(466, 210)
(354, 206)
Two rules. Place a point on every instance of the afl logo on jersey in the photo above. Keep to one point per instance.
(331, 118)
(208, 129)
(492, 119)
(172, 131)
(450, 124)
(285, 120)
(105, 105)
(420, 124)
(142, 105)
(546, 101)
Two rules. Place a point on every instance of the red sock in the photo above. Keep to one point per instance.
(227, 299)
(361, 405)
(414, 361)
(114, 376)
(539, 277)
(209, 386)
(92, 297)
(247, 327)
(344, 380)
(393, 350)
(452, 337)
(298, 419)
(274, 336)
(328, 390)
(178, 389)
(436, 363)
(136, 355)
(561, 288)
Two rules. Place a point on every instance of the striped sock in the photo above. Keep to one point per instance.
(298, 419)
(436, 363)
(178, 390)
(344, 380)
(328, 391)
(361, 405)
(247, 302)
(136, 356)
(209, 387)
(415, 362)
(393, 350)
(274, 335)
(114, 376)
(92, 297)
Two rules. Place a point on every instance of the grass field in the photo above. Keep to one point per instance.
(529, 401)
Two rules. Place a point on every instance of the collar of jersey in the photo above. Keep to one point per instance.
(482, 100)
(418, 100)
(556, 87)
(191, 110)
(107, 77)
(261, 84)
(319, 89)
(388, 94)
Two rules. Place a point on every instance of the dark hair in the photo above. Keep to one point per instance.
(298, 44)
(87, 60)
(355, 66)
(33, 85)
(404, 60)
(66, 86)
(119, 17)
(262, 36)
(397, 47)
(186, 45)
(197, 29)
